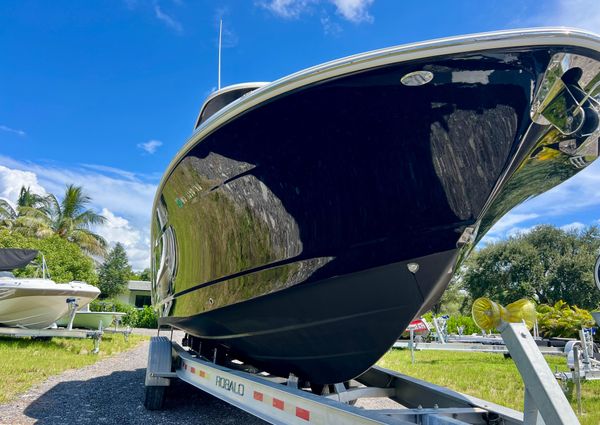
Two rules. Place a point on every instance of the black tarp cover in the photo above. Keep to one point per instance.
(13, 258)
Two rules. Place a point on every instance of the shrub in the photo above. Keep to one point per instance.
(65, 260)
(466, 321)
(147, 318)
(562, 320)
(453, 323)
(131, 316)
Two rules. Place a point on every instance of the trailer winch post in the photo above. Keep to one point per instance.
(543, 394)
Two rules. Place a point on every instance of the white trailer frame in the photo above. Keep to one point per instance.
(471, 347)
(96, 335)
(280, 401)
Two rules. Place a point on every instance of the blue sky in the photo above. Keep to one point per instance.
(103, 94)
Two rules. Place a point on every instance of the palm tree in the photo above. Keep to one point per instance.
(42, 216)
(7, 214)
(30, 214)
(28, 199)
(71, 220)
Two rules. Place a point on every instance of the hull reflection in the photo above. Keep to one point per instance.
(283, 231)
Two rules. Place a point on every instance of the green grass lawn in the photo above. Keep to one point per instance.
(486, 375)
(26, 362)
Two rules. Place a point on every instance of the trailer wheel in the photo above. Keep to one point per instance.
(154, 398)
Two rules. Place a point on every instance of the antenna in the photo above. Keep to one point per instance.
(220, 39)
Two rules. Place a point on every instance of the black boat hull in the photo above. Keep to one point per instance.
(302, 231)
(324, 327)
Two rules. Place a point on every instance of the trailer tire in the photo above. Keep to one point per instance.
(154, 398)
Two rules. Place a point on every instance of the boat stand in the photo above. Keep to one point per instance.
(72, 310)
(582, 357)
(281, 401)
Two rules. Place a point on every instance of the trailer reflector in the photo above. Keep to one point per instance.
(303, 413)
(278, 404)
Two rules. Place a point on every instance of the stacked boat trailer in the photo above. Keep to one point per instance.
(281, 401)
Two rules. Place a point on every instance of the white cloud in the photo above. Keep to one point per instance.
(575, 226)
(509, 221)
(287, 8)
(352, 10)
(150, 146)
(578, 193)
(118, 229)
(12, 130)
(11, 182)
(487, 239)
(575, 196)
(111, 170)
(330, 27)
(584, 14)
(168, 20)
(126, 196)
(516, 231)
(507, 226)
(229, 37)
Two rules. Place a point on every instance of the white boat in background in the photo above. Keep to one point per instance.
(36, 303)
(86, 319)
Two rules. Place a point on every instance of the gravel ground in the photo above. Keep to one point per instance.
(152, 332)
(111, 391)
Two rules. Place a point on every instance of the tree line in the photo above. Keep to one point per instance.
(547, 265)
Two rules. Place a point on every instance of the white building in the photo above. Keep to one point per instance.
(137, 294)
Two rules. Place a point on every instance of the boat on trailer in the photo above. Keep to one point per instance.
(307, 221)
(87, 319)
(36, 303)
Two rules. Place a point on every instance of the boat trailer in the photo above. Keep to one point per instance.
(67, 332)
(281, 401)
(47, 334)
